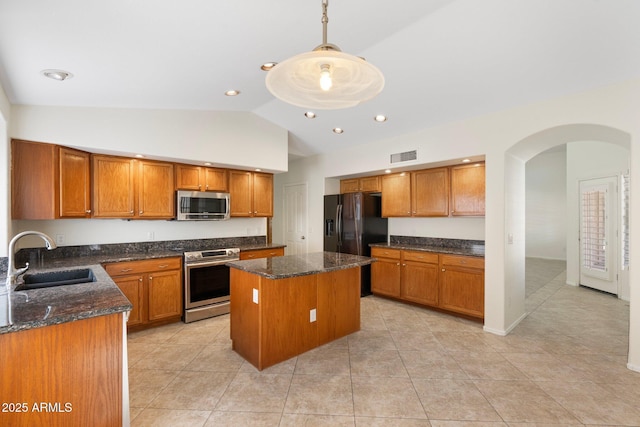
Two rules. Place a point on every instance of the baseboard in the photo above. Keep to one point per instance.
(506, 332)
(633, 367)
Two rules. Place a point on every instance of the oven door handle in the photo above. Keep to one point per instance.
(209, 263)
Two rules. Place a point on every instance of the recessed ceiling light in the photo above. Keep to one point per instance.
(466, 160)
(387, 171)
(310, 115)
(380, 118)
(268, 65)
(59, 75)
(232, 93)
(258, 170)
(207, 163)
(140, 156)
(338, 130)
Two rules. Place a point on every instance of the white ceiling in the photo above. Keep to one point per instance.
(443, 60)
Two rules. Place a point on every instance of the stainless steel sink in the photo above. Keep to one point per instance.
(56, 278)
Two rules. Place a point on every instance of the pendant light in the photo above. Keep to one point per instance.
(325, 78)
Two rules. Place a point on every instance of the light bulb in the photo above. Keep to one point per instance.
(325, 78)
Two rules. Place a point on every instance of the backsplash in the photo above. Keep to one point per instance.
(35, 256)
(436, 242)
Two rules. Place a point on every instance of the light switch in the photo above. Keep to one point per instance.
(510, 238)
(255, 295)
(312, 315)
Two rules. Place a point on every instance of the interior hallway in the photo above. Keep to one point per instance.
(565, 364)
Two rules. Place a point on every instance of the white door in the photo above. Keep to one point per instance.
(598, 234)
(295, 219)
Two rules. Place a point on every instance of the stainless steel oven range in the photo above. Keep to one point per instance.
(206, 283)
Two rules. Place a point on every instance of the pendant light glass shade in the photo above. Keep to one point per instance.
(325, 78)
(299, 80)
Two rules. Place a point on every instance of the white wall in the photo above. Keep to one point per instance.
(225, 138)
(507, 139)
(93, 231)
(546, 205)
(5, 202)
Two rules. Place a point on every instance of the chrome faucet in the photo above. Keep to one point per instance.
(12, 272)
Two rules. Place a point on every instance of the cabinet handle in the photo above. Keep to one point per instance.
(131, 212)
(141, 212)
(140, 279)
(443, 269)
(163, 266)
(272, 253)
(250, 256)
(88, 211)
(404, 265)
(207, 187)
(150, 277)
(398, 263)
(199, 187)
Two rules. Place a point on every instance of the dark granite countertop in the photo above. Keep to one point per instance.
(63, 304)
(300, 265)
(477, 251)
(51, 306)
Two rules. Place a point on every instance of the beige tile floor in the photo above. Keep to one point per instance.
(564, 365)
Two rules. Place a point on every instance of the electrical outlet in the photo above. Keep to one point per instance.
(255, 296)
(151, 235)
(312, 315)
(59, 239)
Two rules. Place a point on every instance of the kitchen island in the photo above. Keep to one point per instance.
(284, 306)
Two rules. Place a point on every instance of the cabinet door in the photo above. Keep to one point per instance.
(33, 178)
(468, 190)
(132, 288)
(349, 185)
(262, 194)
(396, 195)
(113, 191)
(75, 183)
(155, 190)
(240, 189)
(338, 294)
(385, 277)
(430, 192)
(370, 184)
(420, 282)
(188, 177)
(215, 179)
(462, 290)
(164, 295)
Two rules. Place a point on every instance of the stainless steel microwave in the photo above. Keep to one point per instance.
(202, 206)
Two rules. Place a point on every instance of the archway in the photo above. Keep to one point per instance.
(515, 159)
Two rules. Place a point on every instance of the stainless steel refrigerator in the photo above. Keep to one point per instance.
(351, 222)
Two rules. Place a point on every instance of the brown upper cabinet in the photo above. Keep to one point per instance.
(130, 188)
(49, 181)
(420, 193)
(251, 194)
(436, 192)
(366, 184)
(199, 178)
(468, 190)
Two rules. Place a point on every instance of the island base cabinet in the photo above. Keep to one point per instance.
(273, 320)
(69, 374)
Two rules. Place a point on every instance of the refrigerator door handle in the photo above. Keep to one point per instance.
(339, 224)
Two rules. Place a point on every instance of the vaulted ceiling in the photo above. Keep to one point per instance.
(443, 60)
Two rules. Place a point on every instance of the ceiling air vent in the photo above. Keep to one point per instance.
(404, 157)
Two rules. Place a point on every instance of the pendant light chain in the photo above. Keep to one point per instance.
(325, 21)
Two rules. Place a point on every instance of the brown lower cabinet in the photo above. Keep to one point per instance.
(448, 282)
(154, 287)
